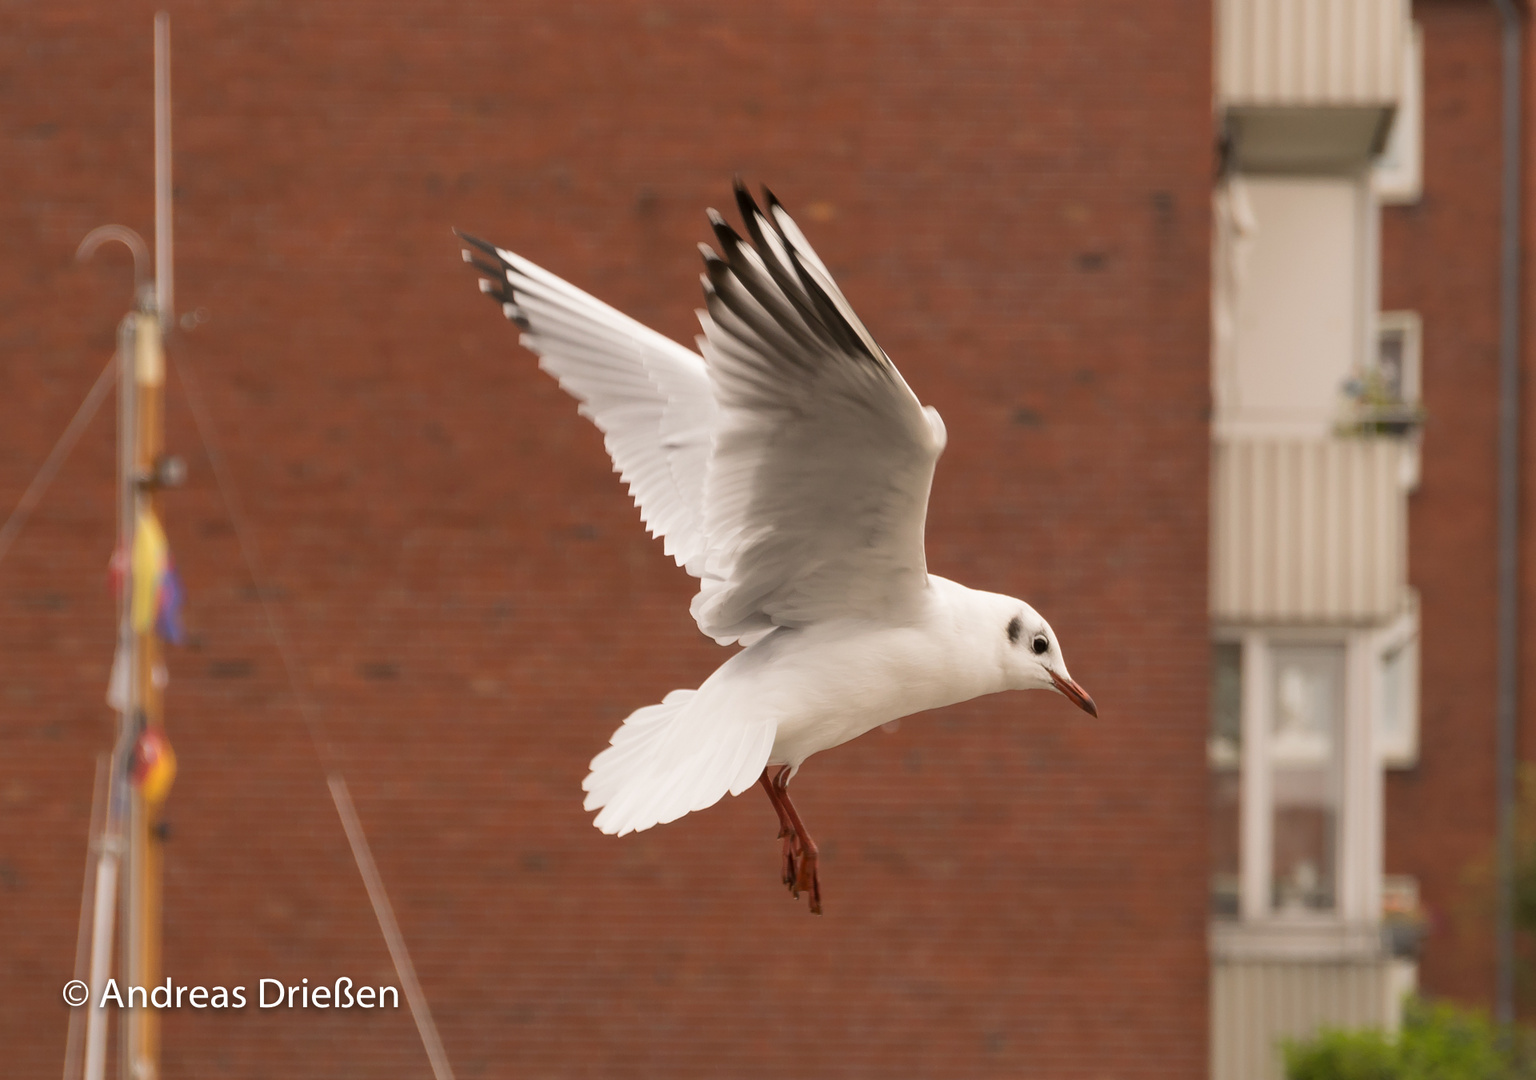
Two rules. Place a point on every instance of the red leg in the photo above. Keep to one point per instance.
(786, 830)
(806, 878)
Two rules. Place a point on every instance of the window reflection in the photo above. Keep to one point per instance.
(1306, 708)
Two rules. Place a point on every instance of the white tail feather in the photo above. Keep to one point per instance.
(672, 758)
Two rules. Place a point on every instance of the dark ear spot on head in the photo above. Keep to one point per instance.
(1015, 628)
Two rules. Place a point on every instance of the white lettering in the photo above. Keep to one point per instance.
(344, 986)
(110, 991)
(365, 996)
(262, 998)
(321, 997)
(143, 997)
(197, 992)
(154, 995)
(239, 996)
(394, 993)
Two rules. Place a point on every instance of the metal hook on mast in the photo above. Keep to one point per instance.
(143, 282)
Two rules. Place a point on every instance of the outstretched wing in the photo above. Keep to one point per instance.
(788, 468)
(649, 396)
(817, 487)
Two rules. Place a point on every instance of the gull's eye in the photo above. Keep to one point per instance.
(1039, 645)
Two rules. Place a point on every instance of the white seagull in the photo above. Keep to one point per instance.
(786, 465)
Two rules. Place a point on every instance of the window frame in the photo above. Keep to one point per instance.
(1359, 844)
(1411, 327)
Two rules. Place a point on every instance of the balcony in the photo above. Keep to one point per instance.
(1309, 83)
(1309, 530)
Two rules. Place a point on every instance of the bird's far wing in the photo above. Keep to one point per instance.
(650, 396)
(817, 487)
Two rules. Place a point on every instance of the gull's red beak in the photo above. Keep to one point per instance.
(1075, 694)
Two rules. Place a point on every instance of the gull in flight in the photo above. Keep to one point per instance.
(786, 465)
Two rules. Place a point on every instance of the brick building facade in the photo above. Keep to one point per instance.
(1016, 197)
(1358, 295)
(1440, 257)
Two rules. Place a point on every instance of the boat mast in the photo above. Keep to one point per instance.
(134, 831)
(152, 470)
(122, 691)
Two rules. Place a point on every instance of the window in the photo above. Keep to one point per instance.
(1307, 717)
(1303, 722)
(1398, 335)
(1397, 355)
(1383, 393)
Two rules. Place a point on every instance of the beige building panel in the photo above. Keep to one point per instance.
(1288, 53)
(1308, 531)
(1257, 1004)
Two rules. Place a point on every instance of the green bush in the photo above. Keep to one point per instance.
(1438, 1042)
(1342, 1055)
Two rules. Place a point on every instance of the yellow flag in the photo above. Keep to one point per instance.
(150, 553)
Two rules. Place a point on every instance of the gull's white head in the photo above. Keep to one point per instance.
(1031, 656)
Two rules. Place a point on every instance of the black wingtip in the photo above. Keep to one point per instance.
(729, 238)
(747, 207)
(775, 207)
(515, 314)
(475, 241)
(495, 272)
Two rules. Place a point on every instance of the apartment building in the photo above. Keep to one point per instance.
(1353, 601)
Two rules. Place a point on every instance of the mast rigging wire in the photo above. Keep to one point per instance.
(56, 457)
(350, 823)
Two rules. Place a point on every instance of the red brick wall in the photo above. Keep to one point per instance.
(1441, 258)
(1015, 196)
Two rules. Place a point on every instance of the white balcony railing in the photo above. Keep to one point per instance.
(1257, 1004)
(1309, 84)
(1310, 53)
(1309, 531)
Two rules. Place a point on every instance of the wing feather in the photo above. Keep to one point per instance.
(650, 396)
(789, 467)
(818, 480)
